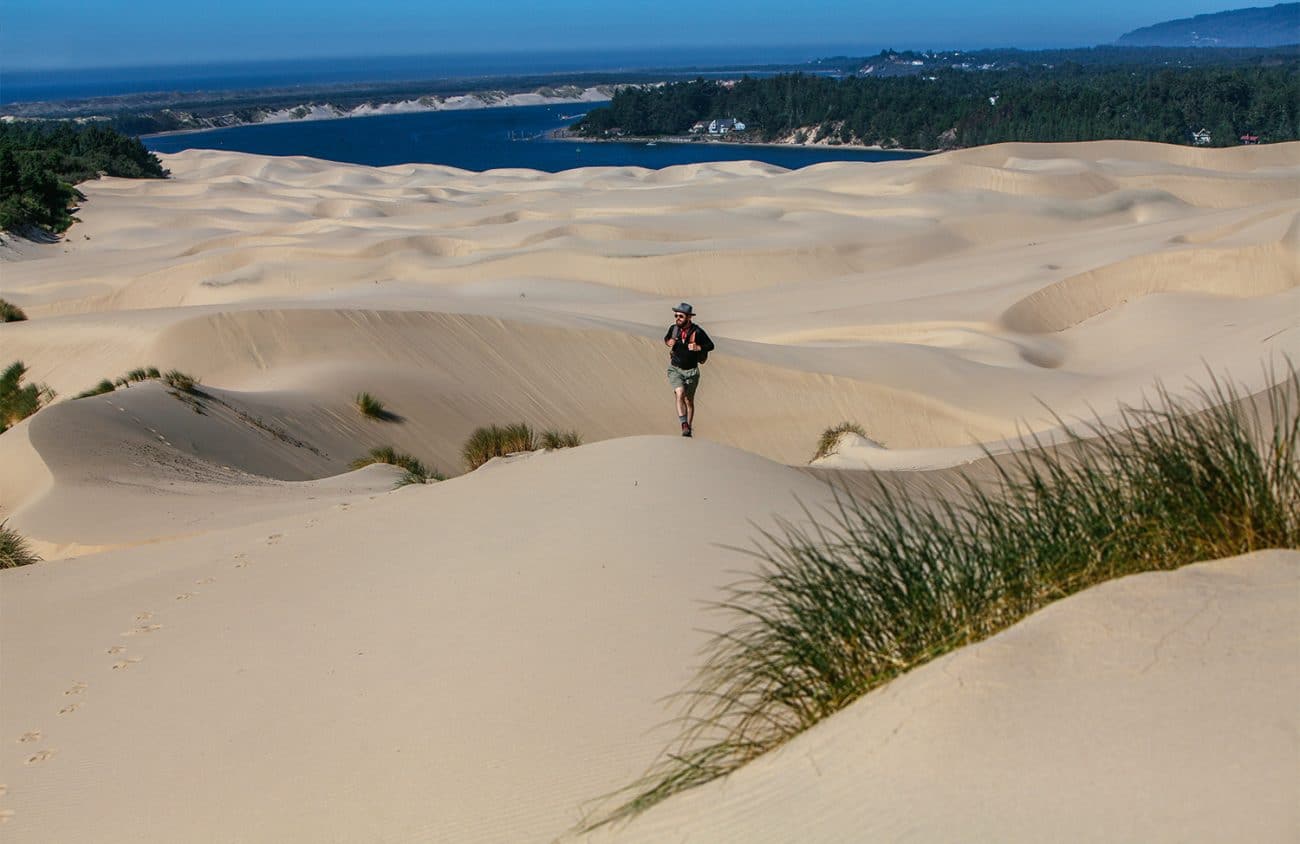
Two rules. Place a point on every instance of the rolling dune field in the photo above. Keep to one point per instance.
(235, 637)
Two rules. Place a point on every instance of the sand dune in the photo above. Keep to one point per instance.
(1022, 736)
(369, 688)
(236, 638)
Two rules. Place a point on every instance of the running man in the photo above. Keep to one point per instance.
(690, 346)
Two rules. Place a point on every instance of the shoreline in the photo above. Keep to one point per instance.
(317, 112)
(561, 135)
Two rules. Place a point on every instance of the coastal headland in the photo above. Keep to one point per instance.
(236, 635)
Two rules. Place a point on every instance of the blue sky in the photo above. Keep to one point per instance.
(106, 33)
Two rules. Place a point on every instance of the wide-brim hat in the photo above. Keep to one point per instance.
(684, 308)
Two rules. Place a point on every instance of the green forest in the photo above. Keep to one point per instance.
(40, 164)
(953, 108)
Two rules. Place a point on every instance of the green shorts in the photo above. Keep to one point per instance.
(689, 379)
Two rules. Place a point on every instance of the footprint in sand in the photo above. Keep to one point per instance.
(69, 709)
(143, 616)
(39, 757)
(5, 815)
(115, 650)
(127, 663)
(29, 737)
(77, 688)
(205, 580)
(142, 630)
(274, 538)
(185, 596)
(4, 789)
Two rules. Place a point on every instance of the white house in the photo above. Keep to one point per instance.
(1201, 138)
(725, 126)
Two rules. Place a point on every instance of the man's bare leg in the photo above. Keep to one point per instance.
(690, 410)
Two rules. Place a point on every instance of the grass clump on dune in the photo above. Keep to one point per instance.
(888, 583)
(104, 386)
(10, 312)
(147, 374)
(499, 440)
(415, 471)
(134, 376)
(178, 380)
(14, 549)
(830, 440)
(373, 408)
(19, 400)
(560, 439)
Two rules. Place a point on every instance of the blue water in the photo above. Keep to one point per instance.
(20, 85)
(483, 139)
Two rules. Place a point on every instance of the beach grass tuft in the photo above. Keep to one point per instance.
(149, 373)
(14, 549)
(415, 471)
(497, 441)
(373, 408)
(178, 380)
(553, 439)
(883, 583)
(19, 400)
(10, 312)
(104, 386)
(830, 440)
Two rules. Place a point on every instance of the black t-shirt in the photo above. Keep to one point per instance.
(682, 357)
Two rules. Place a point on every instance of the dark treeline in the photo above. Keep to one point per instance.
(1101, 56)
(957, 108)
(41, 162)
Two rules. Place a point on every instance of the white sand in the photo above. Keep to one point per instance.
(478, 660)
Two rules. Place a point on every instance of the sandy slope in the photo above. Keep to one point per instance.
(468, 661)
(1160, 707)
(478, 659)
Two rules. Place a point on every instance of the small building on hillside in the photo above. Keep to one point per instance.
(725, 126)
(1250, 139)
(615, 132)
(1201, 138)
(698, 127)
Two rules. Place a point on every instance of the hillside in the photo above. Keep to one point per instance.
(1256, 27)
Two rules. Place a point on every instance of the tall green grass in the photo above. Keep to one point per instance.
(19, 400)
(14, 549)
(887, 582)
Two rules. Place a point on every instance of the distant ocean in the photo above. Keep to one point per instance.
(18, 85)
(485, 139)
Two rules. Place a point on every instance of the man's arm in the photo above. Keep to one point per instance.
(668, 338)
(703, 342)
